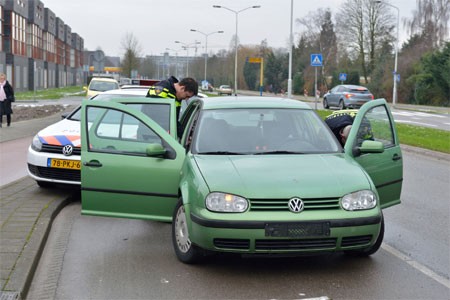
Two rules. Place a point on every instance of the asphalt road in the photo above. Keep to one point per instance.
(133, 259)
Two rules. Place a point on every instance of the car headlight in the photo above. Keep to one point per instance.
(359, 200)
(221, 202)
(36, 144)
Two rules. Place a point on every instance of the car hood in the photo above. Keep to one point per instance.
(64, 132)
(279, 176)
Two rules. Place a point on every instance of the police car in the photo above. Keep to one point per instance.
(54, 154)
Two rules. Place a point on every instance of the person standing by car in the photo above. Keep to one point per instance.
(6, 97)
(174, 89)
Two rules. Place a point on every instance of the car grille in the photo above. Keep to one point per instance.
(232, 243)
(58, 149)
(282, 204)
(307, 244)
(293, 244)
(55, 173)
(350, 241)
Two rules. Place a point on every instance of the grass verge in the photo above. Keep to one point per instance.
(50, 94)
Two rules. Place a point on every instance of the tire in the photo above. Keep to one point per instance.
(184, 249)
(372, 249)
(325, 103)
(341, 104)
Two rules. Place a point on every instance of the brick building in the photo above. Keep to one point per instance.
(37, 49)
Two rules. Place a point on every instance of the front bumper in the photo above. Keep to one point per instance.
(39, 170)
(253, 237)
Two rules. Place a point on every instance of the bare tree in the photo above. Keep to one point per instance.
(431, 18)
(321, 34)
(363, 26)
(132, 52)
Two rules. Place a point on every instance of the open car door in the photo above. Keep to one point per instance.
(130, 165)
(374, 122)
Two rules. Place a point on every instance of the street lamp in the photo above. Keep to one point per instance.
(236, 38)
(206, 44)
(394, 90)
(186, 47)
(291, 42)
(176, 60)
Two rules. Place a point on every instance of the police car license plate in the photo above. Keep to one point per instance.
(64, 164)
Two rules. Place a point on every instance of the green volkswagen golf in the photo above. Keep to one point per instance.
(248, 175)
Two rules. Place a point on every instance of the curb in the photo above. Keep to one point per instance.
(33, 252)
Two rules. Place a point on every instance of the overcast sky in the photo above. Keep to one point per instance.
(158, 24)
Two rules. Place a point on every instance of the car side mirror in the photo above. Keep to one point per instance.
(85, 88)
(371, 147)
(155, 150)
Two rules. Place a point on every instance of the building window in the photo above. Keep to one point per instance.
(18, 28)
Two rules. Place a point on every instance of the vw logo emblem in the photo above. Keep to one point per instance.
(296, 205)
(67, 150)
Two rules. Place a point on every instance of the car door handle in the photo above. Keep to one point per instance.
(93, 163)
(396, 157)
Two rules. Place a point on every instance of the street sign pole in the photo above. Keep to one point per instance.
(316, 61)
(315, 89)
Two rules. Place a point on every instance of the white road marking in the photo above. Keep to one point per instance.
(416, 114)
(414, 122)
(416, 265)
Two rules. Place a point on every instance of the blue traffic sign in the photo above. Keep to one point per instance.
(342, 76)
(316, 60)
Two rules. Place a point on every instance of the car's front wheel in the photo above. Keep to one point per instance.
(184, 249)
(372, 249)
(341, 104)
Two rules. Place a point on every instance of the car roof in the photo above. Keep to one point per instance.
(251, 102)
(103, 79)
(140, 91)
(132, 86)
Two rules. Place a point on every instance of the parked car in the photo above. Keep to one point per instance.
(254, 176)
(54, 154)
(101, 84)
(224, 90)
(347, 96)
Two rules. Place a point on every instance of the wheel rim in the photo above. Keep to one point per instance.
(181, 231)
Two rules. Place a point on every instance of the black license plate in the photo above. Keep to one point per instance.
(297, 229)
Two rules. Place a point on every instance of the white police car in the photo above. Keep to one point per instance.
(54, 154)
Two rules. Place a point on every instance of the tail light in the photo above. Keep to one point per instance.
(372, 96)
(348, 96)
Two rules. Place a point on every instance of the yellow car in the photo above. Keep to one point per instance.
(101, 84)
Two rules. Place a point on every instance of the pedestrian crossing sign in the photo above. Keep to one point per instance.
(316, 60)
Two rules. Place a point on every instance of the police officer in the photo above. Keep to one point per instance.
(174, 89)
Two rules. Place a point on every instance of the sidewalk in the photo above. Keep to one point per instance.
(26, 214)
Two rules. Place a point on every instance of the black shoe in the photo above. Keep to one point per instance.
(9, 124)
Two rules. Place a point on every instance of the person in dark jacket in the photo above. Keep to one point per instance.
(174, 89)
(6, 97)
(340, 123)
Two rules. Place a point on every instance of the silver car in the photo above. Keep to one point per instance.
(347, 96)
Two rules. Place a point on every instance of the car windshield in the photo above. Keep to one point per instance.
(262, 131)
(359, 90)
(102, 86)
